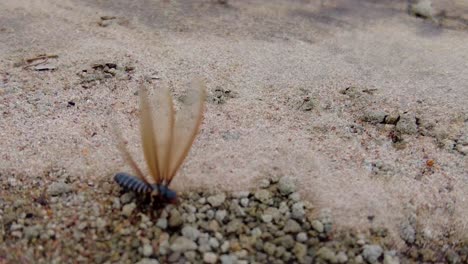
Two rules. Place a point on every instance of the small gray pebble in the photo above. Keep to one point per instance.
(210, 214)
(263, 196)
(190, 233)
(31, 232)
(295, 197)
(256, 232)
(214, 243)
(225, 246)
(190, 255)
(182, 244)
(220, 215)
(210, 257)
(264, 183)
(242, 194)
(266, 218)
(390, 257)
(298, 211)
(327, 254)
(217, 200)
(317, 226)
(147, 261)
(147, 250)
(301, 237)
(244, 202)
(127, 210)
(300, 251)
(58, 188)
(372, 253)
(408, 233)
(292, 226)
(407, 124)
(228, 259)
(127, 197)
(342, 257)
(374, 117)
(423, 8)
(286, 186)
(162, 223)
(175, 218)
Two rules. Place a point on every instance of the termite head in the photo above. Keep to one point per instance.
(164, 193)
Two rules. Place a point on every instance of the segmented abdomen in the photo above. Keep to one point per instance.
(132, 183)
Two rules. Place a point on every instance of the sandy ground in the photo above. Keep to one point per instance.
(277, 73)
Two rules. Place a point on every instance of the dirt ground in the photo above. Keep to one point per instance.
(363, 104)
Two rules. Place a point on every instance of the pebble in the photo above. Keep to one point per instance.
(162, 223)
(32, 232)
(295, 197)
(390, 258)
(225, 246)
(286, 186)
(269, 248)
(182, 244)
(190, 255)
(228, 259)
(266, 218)
(235, 226)
(241, 194)
(372, 253)
(462, 149)
(264, 183)
(286, 241)
(58, 188)
(298, 211)
(127, 197)
(175, 219)
(210, 257)
(317, 226)
(148, 261)
(244, 202)
(263, 196)
(407, 124)
(374, 117)
(147, 250)
(423, 8)
(408, 233)
(301, 237)
(116, 203)
(327, 254)
(220, 215)
(190, 233)
(101, 223)
(452, 256)
(300, 251)
(217, 200)
(214, 243)
(127, 210)
(292, 226)
(342, 257)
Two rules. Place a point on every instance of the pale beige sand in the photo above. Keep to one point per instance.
(271, 54)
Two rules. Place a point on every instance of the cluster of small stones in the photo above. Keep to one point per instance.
(269, 225)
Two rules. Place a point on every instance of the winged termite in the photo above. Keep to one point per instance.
(166, 139)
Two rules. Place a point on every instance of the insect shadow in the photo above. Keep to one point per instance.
(166, 138)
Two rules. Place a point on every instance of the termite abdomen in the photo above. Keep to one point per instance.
(132, 183)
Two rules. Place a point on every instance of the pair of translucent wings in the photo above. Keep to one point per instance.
(166, 136)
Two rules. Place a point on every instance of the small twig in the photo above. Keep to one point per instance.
(41, 57)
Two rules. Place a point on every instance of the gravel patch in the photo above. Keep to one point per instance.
(268, 225)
